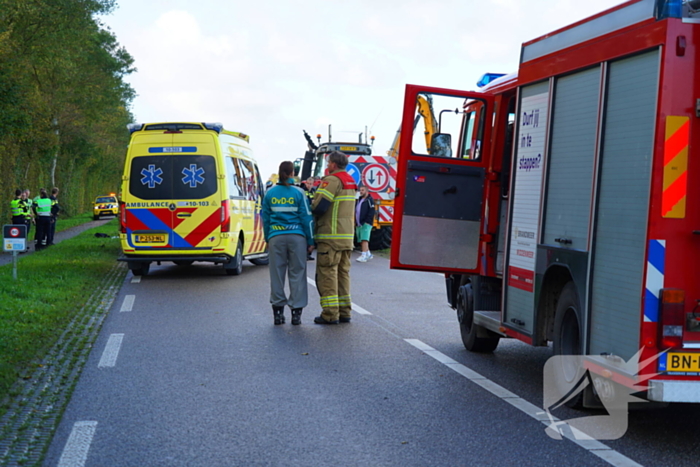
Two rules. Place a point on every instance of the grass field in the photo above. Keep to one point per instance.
(51, 286)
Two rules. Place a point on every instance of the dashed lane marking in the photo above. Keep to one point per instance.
(136, 279)
(75, 451)
(111, 351)
(355, 307)
(128, 303)
(595, 447)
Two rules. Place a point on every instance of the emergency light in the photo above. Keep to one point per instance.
(487, 78)
(217, 127)
(132, 127)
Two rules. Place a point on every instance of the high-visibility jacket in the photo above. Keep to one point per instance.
(28, 208)
(55, 208)
(285, 210)
(336, 224)
(43, 207)
(17, 207)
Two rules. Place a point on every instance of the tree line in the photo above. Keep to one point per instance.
(64, 103)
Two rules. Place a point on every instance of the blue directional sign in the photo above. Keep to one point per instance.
(354, 173)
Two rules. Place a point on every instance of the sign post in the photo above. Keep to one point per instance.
(14, 240)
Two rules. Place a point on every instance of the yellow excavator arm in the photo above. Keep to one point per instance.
(424, 106)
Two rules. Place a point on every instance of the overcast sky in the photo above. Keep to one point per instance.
(272, 68)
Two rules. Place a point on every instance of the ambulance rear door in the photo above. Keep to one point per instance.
(440, 206)
(176, 189)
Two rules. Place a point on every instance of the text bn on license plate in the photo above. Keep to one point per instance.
(150, 238)
(683, 362)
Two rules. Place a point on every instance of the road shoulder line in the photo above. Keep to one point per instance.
(595, 447)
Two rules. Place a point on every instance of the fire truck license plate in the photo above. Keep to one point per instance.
(683, 362)
(150, 239)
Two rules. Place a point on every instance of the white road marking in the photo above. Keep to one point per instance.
(136, 279)
(111, 351)
(595, 447)
(128, 303)
(359, 309)
(75, 451)
(355, 307)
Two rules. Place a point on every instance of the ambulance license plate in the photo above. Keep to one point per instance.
(683, 362)
(150, 239)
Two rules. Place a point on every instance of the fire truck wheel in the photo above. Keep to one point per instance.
(567, 341)
(473, 335)
(235, 266)
(380, 239)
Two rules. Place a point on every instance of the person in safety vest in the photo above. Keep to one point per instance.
(29, 217)
(18, 208)
(288, 230)
(42, 207)
(334, 209)
(55, 208)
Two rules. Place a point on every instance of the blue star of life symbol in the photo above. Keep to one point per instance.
(152, 176)
(193, 175)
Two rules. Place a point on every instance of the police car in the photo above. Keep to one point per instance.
(105, 205)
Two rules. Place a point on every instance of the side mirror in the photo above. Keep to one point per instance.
(441, 145)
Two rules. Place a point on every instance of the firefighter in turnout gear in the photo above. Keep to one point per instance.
(334, 209)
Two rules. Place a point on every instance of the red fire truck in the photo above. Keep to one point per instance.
(562, 202)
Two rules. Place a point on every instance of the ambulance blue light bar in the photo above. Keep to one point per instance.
(487, 78)
(217, 127)
(132, 127)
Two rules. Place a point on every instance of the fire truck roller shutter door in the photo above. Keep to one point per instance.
(623, 203)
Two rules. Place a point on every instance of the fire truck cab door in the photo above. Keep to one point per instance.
(440, 208)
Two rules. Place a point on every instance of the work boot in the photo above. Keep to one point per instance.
(296, 316)
(279, 314)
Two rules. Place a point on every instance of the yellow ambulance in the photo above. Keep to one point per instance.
(190, 192)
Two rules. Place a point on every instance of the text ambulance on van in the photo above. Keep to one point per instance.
(190, 192)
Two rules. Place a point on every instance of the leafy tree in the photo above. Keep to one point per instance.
(63, 99)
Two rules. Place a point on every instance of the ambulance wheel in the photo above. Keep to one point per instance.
(141, 269)
(474, 337)
(380, 239)
(235, 266)
(96, 218)
(568, 341)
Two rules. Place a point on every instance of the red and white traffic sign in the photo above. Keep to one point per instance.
(375, 177)
(14, 237)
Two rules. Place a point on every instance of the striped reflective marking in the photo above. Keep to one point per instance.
(656, 258)
(675, 187)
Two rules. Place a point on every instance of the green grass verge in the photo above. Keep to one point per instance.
(51, 286)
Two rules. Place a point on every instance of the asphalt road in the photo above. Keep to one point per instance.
(203, 378)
